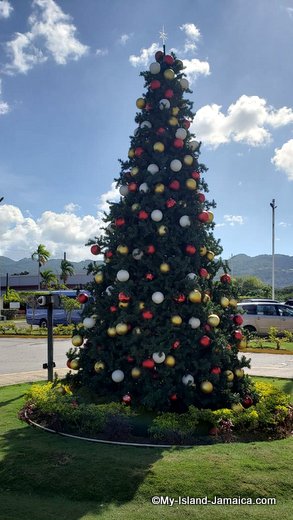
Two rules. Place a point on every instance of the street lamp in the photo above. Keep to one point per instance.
(273, 206)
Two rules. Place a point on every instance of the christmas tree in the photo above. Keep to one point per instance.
(160, 332)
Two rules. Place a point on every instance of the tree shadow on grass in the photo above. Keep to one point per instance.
(288, 388)
(45, 476)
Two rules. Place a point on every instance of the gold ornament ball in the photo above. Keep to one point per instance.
(210, 255)
(176, 320)
(169, 74)
(194, 296)
(141, 305)
(121, 329)
(140, 103)
(162, 230)
(229, 375)
(159, 147)
(170, 361)
(135, 207)
(134, 171)
(137, 331)
(203, 251)
(99, 278)
(211, 216)
(123, 305)
(188, 160)
(175, 111)
(206, 387)
(224, 302)
(123, 250)
(77, 340)
(74, 364)
(99, 366)
(135, 372)
(173, 121)
(206, 297)
(239, 372)
(191, 184)
(130, 153)
(111, 331)
(233, 302)
(164, 267)
(159, 188)
(213, 320)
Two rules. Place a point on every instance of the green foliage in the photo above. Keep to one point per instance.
(252, 287)
(11, 296)
(69, 305)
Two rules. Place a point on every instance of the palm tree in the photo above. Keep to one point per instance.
(42, 256)
(66, 270)
(48, 278)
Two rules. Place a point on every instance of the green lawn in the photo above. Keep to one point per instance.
(45, 477)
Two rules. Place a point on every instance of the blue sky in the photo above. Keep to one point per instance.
(69, 79)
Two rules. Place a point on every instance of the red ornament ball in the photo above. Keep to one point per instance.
(130, 359)
(178, 143)
(196, 175)
(147, 315)
(190, 249)
(225, 278)
(119, 222)
(216, 370)
(173, 397)
(126, 399)
(238, 335)
(82, 297)
(148, 363)
(122, 297)
(113, 308)
(186, 123)
(132, 187)
(174, 185)
(203, 273)
(238, 320)
(170, 203)
(159, 56)
(176, 344)
(95, 249)
(155, 84)
(205, 341)
(180, 298)
(201, 197)
(149, 277)
(149, 107)
(160, 131)
(247, 401)
(169, 93)
(168, 59)
(203, 216)
(143, 215)
(150, 250)
(138, 151)
(108, 254)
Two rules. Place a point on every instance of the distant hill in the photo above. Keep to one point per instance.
(240, 265)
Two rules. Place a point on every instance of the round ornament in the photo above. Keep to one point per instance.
(224, 302)
(164, 104)
(201, 197)
(159, 357)
(99, 278)
(146, 124)
(143, 188)
(122, 249)
(134, 171)
(109, 290)
(206, 387)
(233, 302)
(175, 344)
(158, 297)
(143, 215)
(150, 249)
(121, 329)
(140, 103)
(82, 298)
(148, 363)
(238, 335)
(174, 185)
(247, 401)
(168, 59)
(95, 249)
(211, 216)
(73, 364)
(239, 372)
(216, 371)
(89, 323)
(194, 145)
(175, 165)
(122, 275)
(184, 221)
(173, 121)
(194, 296)
(203, 273)
(229, 375)
(181, 133)
(155, 84)
(169, 74)
(184, 83)
(191, 184)
(205, 341)
(77, 340)
(161, 130)
(126, 399)
(111, 331)
(191, 276)
(135, 373)
(225, 278)
(238, 320)
(123, 190)
(120, 221)
(159, 188)
(188, 380)
(152, 168)
(190, 249)
(139, 151)
(175, 111)
(137, 254)
(156, 215)
(170, 361)
(99, 366)
(162, 230)
(178, 143)
(176, 320)
(188, 160)
(147, 315)
(203, 216)
(213, 320)
(159, 56)
(117, 376)
(155, 68)
(159, 147)
(170, 203)
(164, 267)
(169, 93)
(210, 256)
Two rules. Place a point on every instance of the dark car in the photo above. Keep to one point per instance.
(289, 302)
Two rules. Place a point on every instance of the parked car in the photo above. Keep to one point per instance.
(37, 314)
(289, 302)
(260, 316)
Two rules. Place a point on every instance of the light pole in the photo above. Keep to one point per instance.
(273, 206)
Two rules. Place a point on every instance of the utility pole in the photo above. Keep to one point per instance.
(273, 206)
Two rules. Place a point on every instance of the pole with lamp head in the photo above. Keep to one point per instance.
(273, 206)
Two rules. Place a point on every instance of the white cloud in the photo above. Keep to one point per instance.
(283, 159)
(5, 9)
(102, 52)
(71, 207)
(246, 121)
(194, 68)
(290, 11)
(234, 219)
(60, 232)
(51, 34)
(191, 31)
(284, 224)
(124, 38)
(145, 57)
(112, 195)
(4, 107)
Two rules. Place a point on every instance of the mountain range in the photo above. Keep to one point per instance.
(240, 265)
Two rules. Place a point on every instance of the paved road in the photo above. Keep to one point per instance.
(21, 360)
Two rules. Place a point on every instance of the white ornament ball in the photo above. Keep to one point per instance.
(194, 323)
(164, 104)
(159, 357)
(153, 168)
(181, 133)
(188, 380)
(158, 297)
(137, 254)
(123, 190)
(135, 132)
(117, 376)
(191, 276)
(184, 221)
(146, 124)
(156, 215)
(109, 290)
(122, 275)
(144, 187)
(155, 68)
(89, 323)
(194, 145)
(184, 83)
(175, 165)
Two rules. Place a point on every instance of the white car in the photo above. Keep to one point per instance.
(260, 316)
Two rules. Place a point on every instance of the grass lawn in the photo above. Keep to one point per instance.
(44, 476)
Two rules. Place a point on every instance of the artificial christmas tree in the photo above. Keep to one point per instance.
(160, 332)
